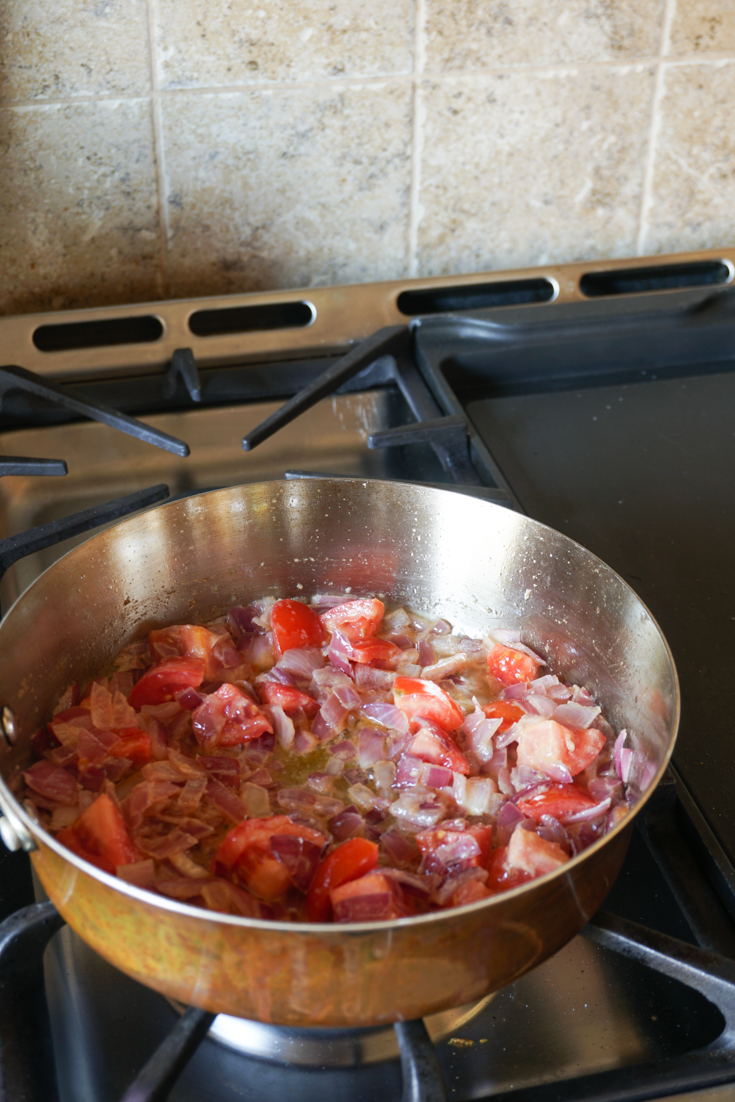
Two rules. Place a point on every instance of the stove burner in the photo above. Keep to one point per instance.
(330, 1048)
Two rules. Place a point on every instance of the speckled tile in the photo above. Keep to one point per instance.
(699, 26)
(287, 188)
(73, 48)
(78, 206)
(528, 168)
(482, 34)
(693, 193)
(232, 42)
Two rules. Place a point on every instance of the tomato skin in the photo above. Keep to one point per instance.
(432, 744)
(547, 745)
(101, 837)
(376, 650)
(357, 620)
(228, 717)
(505, 710)
(511, 666)
(417, 697)
(295, 625)
(185, 641)
(286, 697)
(349, 861)
(245, 852)
(134, 744)
(163, 681)
(501, 878)
(558, 800)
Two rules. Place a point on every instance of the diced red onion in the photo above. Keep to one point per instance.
(416, 885)
(435, 776)
(537, 705)
(299, 856)
(364, 908)
(370, 747)
(320, 728)
(304, 741)
(400, 849)
(256, 800)
(441, 627)
(515, 692)
(444, 893)
(583, 696)
(52, 781)
(388, 715)
(334, 713)
(552, 830)
(445, 667)
(576, 715)
(505, 784)
(600, 788)
(348, 696)
(283, 726)
(346, 824)
(176, 841)
(139, 873)
(328, 679)
(258, 650)
(370, 679)
(226, 800)
(589, 813)
(503, 636)
(508, 737)
(507, 821)
(427, 654)
(301, 662)
(409, 769)
(340, 651)
(242, 620)
(190, 699)
(320, 782)
(384, 773)
(361, 796)
(414, 807)
(480, 732)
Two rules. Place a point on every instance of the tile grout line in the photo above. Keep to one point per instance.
(416, 139)
(653, 129)
(395, 78)
(157, 120)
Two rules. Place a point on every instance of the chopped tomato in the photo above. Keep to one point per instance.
(228, 718)
(503, 709)
(100, 836)
(511, 666)
(134, 744)
(417, 697)
(246, 853)
(288, 698)
(371, 898)
(434, 745)
(470, 848)
(349, 861)
(501, 878)
(356, 619)
(376, 650)
(162, 682)
(295, 625)
(547, 745)
(186, 641)
(470, 892)
(558, 800)
(532, 854)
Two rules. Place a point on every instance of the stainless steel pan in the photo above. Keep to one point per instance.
(474, 563)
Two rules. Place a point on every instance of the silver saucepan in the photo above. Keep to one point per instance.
(477, 565)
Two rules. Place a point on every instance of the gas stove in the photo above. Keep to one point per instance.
(597, 399)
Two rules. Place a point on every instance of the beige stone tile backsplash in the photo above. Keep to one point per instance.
(154, 148)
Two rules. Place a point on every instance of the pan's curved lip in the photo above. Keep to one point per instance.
(183, 909)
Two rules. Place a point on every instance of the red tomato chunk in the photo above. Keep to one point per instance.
(347, 765)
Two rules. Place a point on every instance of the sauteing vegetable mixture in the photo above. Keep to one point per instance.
(328, 761)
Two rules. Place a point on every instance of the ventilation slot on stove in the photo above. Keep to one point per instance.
(97, 334)
(475, 296)
(251, 319)
(662, 277)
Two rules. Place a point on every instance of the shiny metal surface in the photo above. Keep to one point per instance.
(104, 464)
(472, 562)
(341, 315)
